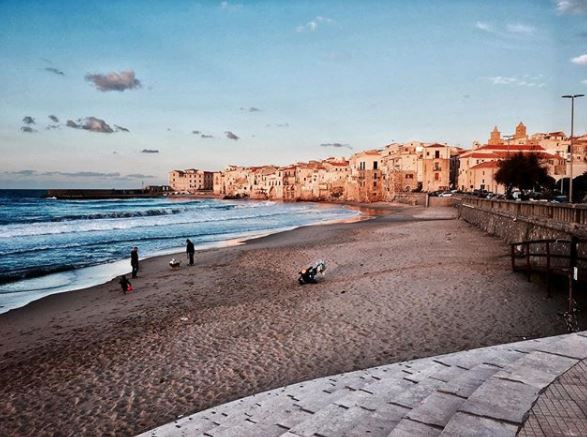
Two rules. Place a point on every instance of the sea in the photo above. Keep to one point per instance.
(50, 246)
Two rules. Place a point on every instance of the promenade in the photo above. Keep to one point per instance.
(529, 388)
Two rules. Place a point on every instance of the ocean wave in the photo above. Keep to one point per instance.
(108, 215)
(39, 229)
(19, 275)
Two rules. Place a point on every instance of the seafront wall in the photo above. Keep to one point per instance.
(520, 221)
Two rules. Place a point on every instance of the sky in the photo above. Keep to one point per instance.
(115, 94)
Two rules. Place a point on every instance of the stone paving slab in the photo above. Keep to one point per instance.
(417, 393)
(380, 422)
(409, 428)
(246, 429)
(482, 392)
(465, 425)
(503, 400)
(572, 346)
(465, 385)
(437, 409)
(537, 369)
(332, 421)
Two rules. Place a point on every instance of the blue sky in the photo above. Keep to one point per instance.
(285, 77)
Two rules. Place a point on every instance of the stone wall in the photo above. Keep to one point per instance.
(410, 198)
(512, 228)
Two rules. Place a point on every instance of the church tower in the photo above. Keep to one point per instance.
(520, 132)
(495, 137)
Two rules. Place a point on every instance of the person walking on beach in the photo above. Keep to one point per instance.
(189, 248)
(134, 261)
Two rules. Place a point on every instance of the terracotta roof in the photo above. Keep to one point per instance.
(436, 145)
(490, 164)
(475, 154)
(512, 147)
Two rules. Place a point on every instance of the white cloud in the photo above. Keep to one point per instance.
(584, 81)
(312, 25)
(523, 81)
(520, 28)
(508, 30)
(481, 25)
(580, 60)
(571, 7)
(227, 6)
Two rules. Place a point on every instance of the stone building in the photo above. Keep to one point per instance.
(436, 163)
(400, 168)
(191, 180)
(365, 183)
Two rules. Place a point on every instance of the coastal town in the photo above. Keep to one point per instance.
(380, 174)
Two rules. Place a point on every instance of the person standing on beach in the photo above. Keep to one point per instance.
(134, 261)
(189, 248)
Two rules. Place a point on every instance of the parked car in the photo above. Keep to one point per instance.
(560, 199)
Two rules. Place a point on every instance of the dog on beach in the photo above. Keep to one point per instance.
(174, 264)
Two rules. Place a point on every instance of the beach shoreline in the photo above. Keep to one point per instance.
(413, 282)
(92, 276)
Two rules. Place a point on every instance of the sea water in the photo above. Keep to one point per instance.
(51, 246)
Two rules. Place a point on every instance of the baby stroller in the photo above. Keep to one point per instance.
(310, 274)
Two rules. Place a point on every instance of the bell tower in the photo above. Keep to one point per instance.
(495, 137)
(520, 132)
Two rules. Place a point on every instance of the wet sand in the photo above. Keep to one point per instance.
(412, 283)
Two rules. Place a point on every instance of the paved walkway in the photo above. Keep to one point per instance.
(561, 410)
(538, 385)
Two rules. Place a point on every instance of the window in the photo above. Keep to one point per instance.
(374, 165)
(437, 154)
(436, 176)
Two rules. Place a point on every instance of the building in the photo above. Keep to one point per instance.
(436, 165)
(191, 180)
(475, 171)
(365, 183)
(374, 175)
(400, 168)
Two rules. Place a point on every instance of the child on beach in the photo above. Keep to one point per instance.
(125, 284)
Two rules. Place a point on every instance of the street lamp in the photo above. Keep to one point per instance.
(572, 97)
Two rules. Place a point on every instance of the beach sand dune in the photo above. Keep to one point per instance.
(409, 284)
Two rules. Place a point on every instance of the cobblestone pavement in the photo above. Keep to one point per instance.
(535, 387)
(562, 409)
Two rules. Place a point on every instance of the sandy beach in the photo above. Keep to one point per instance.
(413, 282)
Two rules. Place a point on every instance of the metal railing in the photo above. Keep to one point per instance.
(567, 258)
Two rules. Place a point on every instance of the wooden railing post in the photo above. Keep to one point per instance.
(548, 269)
(572, 267)
(528, 261)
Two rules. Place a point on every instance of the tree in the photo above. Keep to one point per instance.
(522, 171)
